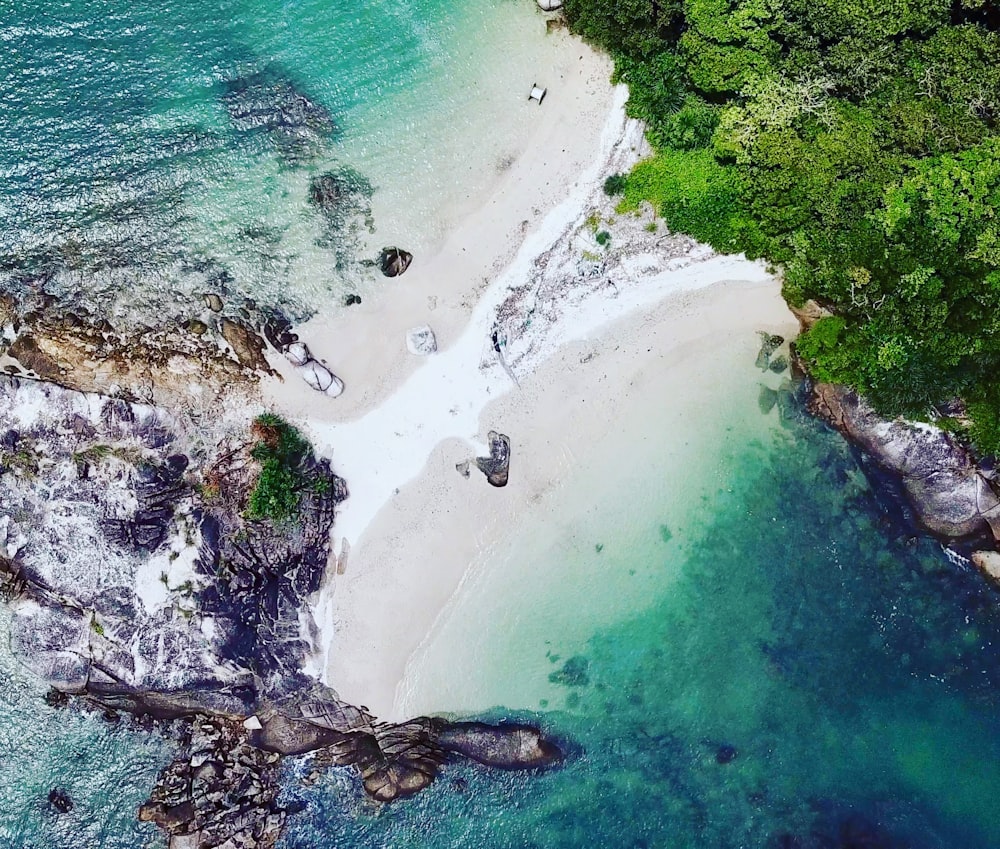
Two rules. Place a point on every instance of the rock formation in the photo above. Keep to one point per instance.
(246, 344)
(174, 364)
(497, 465)
(220, 791)
(951, 494)
(421, 341)
(143, 579)
(394, 261)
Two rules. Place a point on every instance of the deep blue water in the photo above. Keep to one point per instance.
(818, 676)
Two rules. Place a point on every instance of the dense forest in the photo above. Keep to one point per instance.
(854, 143)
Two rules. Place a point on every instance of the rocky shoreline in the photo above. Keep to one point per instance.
(159, 569)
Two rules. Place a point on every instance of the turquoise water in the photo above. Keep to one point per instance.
(852, 668)
(106, 768)
(845, 669)
(130, 186)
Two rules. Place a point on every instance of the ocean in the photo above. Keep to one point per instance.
(736, 639)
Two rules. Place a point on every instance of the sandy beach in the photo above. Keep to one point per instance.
(581, 330)
(413, 558)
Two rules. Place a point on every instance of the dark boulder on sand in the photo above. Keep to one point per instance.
(497, 466)
(394, 261)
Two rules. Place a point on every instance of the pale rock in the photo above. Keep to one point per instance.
(297, 354)
(252, 723)
(988, 562)
(317, 376)
(336, 387)
(421, 340)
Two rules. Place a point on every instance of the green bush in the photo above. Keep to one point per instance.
(603, 238)
(280, 449)
(985, 425)
(692, 192)
(614, 185)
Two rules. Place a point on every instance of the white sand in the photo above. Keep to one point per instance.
(413, 522)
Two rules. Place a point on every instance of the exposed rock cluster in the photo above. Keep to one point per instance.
(951, 495)
(177, 364)
(221, 792)
(139, 582)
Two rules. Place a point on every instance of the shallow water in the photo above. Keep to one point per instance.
(760, 610)
(106, 768)
(134, 178)
(796, 670)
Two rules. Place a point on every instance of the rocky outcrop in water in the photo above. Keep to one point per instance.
(153, 573)
(268, 103)
(222, 791)
(951, 494)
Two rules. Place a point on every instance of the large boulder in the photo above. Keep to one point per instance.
(320, 378)
(497, 466)
(246, 344)
(297, 354)
(394, 261)
(949, 493)
(511, 746)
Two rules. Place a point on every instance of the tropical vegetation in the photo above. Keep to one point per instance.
(854, 143)
(280, 449)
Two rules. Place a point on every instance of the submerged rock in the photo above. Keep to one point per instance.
(496, 467)
(725, 754)
(769, 343)
(60, 800)
(766, 399)
(328, 192)
(269, 103)
(394, 261)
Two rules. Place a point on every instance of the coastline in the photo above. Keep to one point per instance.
(415, 557)
(364, 344)
(412, 524)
